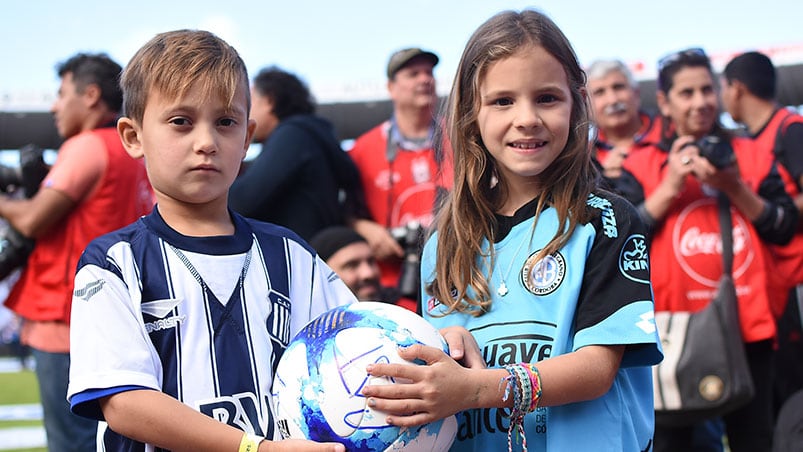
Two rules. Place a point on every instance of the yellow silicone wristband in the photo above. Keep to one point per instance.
(249, 443)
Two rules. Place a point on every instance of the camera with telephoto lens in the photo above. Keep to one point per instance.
(411, 238)
(15, 247)
(716, 150)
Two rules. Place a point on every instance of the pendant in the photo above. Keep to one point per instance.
(502, 290)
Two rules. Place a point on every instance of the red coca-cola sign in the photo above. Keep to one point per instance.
(696, 239)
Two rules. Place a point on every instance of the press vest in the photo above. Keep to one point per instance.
(44, 290)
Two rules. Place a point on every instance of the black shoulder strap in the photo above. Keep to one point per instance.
(777, 148)
(726, 229)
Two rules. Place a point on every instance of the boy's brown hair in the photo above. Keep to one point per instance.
(172, 62)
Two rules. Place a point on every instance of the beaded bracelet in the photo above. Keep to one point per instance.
(524, 382)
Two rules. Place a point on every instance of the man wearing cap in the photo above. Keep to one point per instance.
(399, 162)
(351, 258)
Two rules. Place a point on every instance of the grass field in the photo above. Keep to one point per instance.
(19, 388)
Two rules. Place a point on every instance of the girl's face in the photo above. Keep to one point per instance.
(524, 116)
(692, 102)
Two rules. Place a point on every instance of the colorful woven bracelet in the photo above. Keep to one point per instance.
(517, 382)
(535, 382)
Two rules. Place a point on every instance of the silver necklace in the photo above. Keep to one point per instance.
(502, 290)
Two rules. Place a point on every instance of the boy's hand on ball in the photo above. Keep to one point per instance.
(435, 390)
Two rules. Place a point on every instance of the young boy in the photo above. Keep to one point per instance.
(179, 319)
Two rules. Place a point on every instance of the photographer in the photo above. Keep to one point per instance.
(749, 86)
(401, 164)
(682, 177)
(94, 187)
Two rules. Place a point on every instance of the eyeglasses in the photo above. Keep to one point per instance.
(673, 58)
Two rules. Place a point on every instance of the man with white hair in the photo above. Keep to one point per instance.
(622, 126)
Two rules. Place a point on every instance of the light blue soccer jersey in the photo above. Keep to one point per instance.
(593, 291)
(204, 320)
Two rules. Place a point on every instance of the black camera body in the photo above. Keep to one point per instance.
(411, 238)
(31, 172)
(15, 247)
(716, 150)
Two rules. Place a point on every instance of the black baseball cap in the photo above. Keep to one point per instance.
(332, 239)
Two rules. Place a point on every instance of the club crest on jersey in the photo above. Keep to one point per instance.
(634, 262)
(542, 277)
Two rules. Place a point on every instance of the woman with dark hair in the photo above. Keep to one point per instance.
(682, 177)
(301, 172)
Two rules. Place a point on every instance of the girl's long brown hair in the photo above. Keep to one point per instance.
(466, 220)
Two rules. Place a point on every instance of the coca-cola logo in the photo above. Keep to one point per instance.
(697, 242)
(694, 241)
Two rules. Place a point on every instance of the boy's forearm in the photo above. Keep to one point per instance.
(156, 418)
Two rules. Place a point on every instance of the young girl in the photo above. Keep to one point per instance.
(548, 273)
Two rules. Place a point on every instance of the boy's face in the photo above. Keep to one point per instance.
(193, 146)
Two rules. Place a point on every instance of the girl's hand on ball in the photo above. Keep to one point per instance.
(436, 390)
(463, 347)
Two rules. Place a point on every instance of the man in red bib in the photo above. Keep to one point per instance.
(94, 187)
(748, 85)
(401, 166)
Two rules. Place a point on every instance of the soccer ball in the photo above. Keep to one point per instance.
(319, 378)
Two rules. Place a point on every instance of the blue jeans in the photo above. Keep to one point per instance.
(66, 432)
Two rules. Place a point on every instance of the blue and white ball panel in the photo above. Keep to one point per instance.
(321, 375)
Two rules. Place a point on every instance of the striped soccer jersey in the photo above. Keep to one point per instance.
(203, 319)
